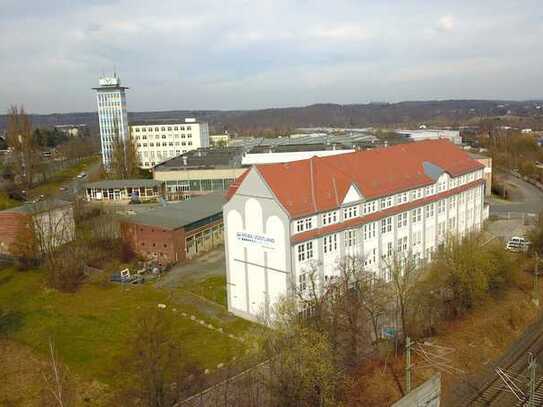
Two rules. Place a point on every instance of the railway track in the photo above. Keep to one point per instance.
(490, 389)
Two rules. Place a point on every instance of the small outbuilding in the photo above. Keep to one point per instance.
(50, 220)
(178, 231)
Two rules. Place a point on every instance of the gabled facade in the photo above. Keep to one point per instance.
(282, 219)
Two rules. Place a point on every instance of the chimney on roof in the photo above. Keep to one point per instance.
(184, 160)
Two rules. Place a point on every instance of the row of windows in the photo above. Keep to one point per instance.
(330, 242)
(163, 128)
(164, 136)
(165, 144)
(416, 214)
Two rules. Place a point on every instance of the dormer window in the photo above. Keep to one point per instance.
(304, 224)
(329, 218)
(350, 212)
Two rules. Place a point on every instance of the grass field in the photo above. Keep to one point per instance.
(92, 327)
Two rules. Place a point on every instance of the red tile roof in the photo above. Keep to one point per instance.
(362, 220)
(235, 185)
(320, 183)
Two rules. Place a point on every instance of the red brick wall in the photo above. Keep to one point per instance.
(10, 228)
(169, 245)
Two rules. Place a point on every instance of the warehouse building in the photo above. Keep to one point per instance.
(283, 219)
(120, 190)
(178, 231)
(199, 172)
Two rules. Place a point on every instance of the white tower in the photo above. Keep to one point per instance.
(112, 115)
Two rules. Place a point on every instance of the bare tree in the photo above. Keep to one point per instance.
(404, 273)
(58, 387)
(125, 159)
(21, 141)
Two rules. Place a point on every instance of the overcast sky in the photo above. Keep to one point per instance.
(234, 54)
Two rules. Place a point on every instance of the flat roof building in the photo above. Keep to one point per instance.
(199, 171)
(160, 140)
(124, 190)
(178, 231)
(282, 221)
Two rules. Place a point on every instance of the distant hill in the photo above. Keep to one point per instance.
(445, 112)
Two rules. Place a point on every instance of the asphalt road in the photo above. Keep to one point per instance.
(526, 198)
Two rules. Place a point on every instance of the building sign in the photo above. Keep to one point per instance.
(249, 239)
(109, 81)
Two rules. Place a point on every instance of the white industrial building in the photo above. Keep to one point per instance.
(159, 141)
(112, 114)
(283, 219)
(271, 157)
(432, 134)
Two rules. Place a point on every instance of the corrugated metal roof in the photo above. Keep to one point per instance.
(179, 214)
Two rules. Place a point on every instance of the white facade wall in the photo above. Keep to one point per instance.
(159, 142)
(417, 230)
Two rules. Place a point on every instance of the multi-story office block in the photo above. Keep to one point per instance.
(159, 141)
(112, 114)
(282, 220)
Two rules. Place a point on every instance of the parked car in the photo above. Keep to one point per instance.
(517, 244)
(82, 175)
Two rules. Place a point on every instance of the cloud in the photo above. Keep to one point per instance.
(231, 54)
(446, 23)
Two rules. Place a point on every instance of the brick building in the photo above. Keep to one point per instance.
(51, 217)
(176, 232)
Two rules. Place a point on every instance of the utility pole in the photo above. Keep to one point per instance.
(408, 366)
(532, 366)
(536, 281)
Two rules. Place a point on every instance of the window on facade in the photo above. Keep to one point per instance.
(386, 202)
(452, 223)
(329, 217)
(302, 281)
(386, 225)
(401, 198)
(416, 193)
(369, 230)
(370, 207)
(401, 220)
(304, 224)
(416, 215)
(370, 258)
(417, 238)
(330, 243)
(350, 212)
(305, 251)
(452, 202)
(441, 206)
(402, 244)
(350, 238)
(429, 209)
(389, 250)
